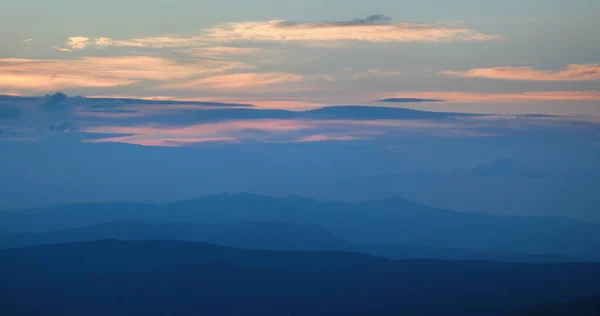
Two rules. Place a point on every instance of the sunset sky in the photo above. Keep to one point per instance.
(476, 56)
(135, 100)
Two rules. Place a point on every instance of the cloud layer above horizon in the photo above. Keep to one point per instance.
(168, 123)
(465, 63)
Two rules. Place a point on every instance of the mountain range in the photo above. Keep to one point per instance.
(183, 278)
(389, 221)
(260, 235)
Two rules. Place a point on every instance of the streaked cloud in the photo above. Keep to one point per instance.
(170, 123)
(376, 73)
(586, 72)
(277, 131)
(376, 28)
(57, 74)
(326, 138)
(210, 129)
(371, 29)
(82, 42)
(27, 41)
(408, 100)
(223, 51)
(473, 97)
(285, 104)
(239, 80)
(63, 49)
(185, 135)
(148, 140)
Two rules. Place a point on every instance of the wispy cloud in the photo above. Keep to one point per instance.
(83, 42)
(63, 49)
(27, 41)
(408, 100)
(376, 28)
(148, 140)
(207, 130)
(277, 131)
(325, 138)
(586, 72)
(376, 73)
(472, 97)
(227, 131)
(220, 52)
(231, 81)
(56, 74)
(371, 29)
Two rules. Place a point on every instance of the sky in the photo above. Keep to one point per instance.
(97, 99)
(476, 56)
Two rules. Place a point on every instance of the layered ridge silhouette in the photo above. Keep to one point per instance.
(182, 278)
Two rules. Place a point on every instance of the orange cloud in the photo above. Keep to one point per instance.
(371, 29)
(56, 74)
(469, 97)
(223, 51)
(286, 31)
(78, 42)
(232, 81)
(588, 72)
(82, 42)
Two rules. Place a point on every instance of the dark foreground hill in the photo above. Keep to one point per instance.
(585, 307)
(395, 221)
(180, 278)
(260, 235)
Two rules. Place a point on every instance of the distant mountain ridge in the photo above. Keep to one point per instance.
(375, 222)
(257, 235)
(260, 235)
(506, 167)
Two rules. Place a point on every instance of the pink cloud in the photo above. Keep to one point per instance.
(323, 138)
(210, 128)
(471, 97)
(588, 72)
(162, 142)
(187, 135)
(277, 130)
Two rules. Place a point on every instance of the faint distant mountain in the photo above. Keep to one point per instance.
(181, 278)
(259, 235)
(405, 252)
(506, 168)
(374, 112)
(585, 307)
(394, 220)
